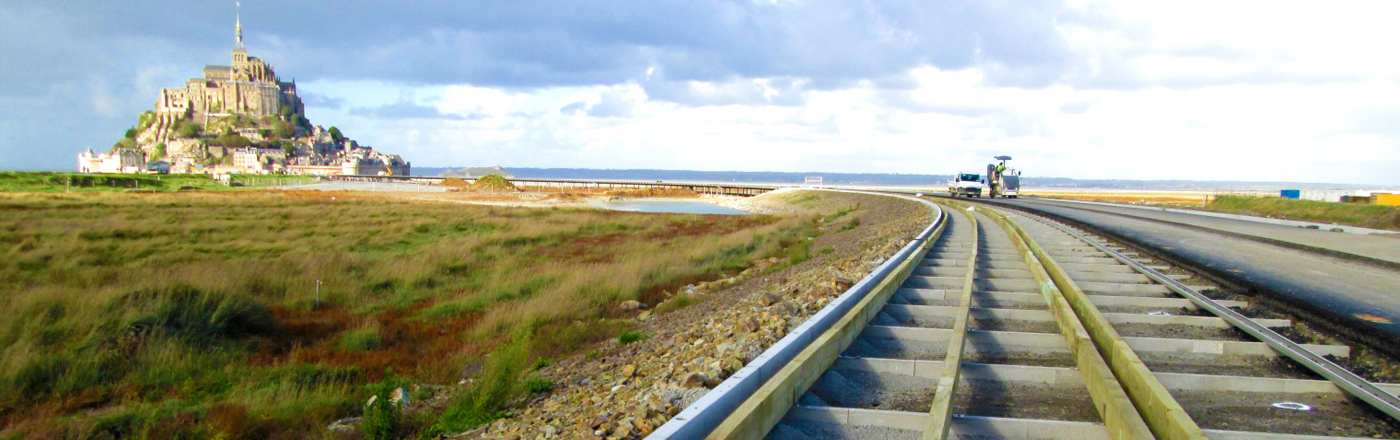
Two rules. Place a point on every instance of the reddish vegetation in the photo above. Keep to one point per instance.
(597, 249)
(312, 335)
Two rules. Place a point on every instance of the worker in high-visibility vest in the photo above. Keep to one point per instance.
(1001, 167)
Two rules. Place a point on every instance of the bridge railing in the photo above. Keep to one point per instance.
(698, 187)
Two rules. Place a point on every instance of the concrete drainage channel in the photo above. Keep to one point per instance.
(1011, 327)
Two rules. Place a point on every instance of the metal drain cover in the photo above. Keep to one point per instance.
(1292, 406)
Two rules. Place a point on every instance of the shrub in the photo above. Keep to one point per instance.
(283, 129)
(492, 182)
(855, 222)
(679, 301)
(231, 140)
(187, 129)
(145, 121)
(121, 425)
(40, 375)
(538, 385)
(200, 316)
(365, 338)
(629, 337)
(826, 251)
(123, 143)
(840, 213)
(497, 385)
(383, 419)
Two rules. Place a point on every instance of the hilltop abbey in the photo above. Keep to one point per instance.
(240, 118)
(248, 87)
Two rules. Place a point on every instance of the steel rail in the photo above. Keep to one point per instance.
(1120, 416)
(1157, 406)
(940, 421)
(747, 390)
(1346, 380)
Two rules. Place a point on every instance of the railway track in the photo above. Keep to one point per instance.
(1014, 326)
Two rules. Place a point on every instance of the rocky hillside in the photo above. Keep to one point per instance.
(210, 143)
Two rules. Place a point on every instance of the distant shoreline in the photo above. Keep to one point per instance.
(901, 181)
(912, 181)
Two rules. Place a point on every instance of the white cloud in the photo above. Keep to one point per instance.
(1258, 90)
(950, 121)
(473, 101)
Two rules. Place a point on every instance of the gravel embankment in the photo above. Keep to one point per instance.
(627, 391)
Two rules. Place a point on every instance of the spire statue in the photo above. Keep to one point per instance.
(238, 25)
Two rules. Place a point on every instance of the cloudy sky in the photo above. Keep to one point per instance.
(1238, 90)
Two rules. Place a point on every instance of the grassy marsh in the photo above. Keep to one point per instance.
(1370, 216)
(79, 182)
(198, 315)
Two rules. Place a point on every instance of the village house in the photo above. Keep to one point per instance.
(123, 160)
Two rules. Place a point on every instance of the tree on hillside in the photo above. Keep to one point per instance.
(124, 143)
(283, 129)
(145, 120)
(131, 133)
(335, 134)
(187, 129)
(300, 121)
(230, 139)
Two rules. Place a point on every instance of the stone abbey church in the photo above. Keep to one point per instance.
(247, 87)
(239, 118)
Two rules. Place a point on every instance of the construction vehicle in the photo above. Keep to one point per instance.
(965, 184)
(1003, 181)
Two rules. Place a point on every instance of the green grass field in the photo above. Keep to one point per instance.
(76, 182)
(198, 315)
(1369, 216)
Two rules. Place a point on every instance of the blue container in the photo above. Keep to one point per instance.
(1288, 193)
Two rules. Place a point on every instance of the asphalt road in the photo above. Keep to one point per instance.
(1377, 247)
(1365, 295)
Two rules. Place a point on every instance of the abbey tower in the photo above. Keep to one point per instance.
(238, 118)
(247, 87)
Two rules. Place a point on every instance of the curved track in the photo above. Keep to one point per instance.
(1362, 298)
(1013, 326)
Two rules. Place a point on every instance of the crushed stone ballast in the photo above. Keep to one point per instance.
(703, 416)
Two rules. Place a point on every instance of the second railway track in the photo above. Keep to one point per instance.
(1015, 327)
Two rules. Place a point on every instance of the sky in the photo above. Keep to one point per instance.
(1204, 90)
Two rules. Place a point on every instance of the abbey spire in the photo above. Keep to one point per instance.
(238, 25)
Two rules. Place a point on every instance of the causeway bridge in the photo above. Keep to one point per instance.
(717, 188)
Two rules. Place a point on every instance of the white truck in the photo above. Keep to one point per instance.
(965, 184)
